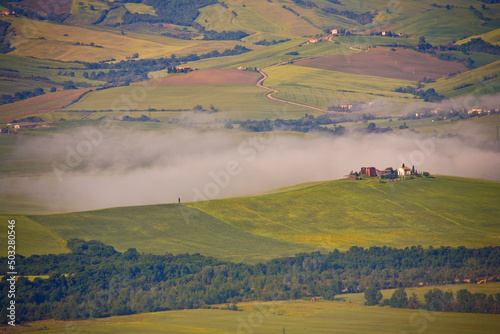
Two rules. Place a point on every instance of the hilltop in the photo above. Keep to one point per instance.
(441, 211)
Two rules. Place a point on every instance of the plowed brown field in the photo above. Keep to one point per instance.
(382, 62)
(209, 77)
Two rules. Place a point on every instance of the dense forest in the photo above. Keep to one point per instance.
(95, 280)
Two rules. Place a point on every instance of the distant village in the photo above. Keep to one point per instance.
(388, 173)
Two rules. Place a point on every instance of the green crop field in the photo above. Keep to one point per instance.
(323, 88)
(54, 41)
(346, 314)
(263, 57)
(216, 17)
(160, 229)
(492, 37)
(333, 214)
(234, 102)
(338, 214)
(441, 25)
(140, 8)
(476, 79)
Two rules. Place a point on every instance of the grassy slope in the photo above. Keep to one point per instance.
(167, 228)
(234, 102)
(475, 77)
(28, 67)
(140, 8)
(261, 18)
(56, 46)
(263, 57)
(492, 37)
(322, 88)
(345, 315)
(441, 25)
(32, 237)
(337, 214)
(341, 214)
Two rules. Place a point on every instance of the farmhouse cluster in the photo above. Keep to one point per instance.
(388, 173)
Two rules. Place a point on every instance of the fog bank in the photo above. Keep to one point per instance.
(97, 168)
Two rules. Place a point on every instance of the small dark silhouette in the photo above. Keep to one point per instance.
(179, 199)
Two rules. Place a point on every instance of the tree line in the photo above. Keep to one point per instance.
(305, 124)
(5, 30)
(181, 12)
(95, 280)
(437, 300)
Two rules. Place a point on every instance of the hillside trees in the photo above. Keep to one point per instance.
(95, 280)
(399, 299)
(5, 32)
(373, 296)
(437, 300)
(182, 12)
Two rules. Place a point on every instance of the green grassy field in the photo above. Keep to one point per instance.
(26, 70)
(492, 37)
(55, 41)
(476, 77)
(345, 315)
(262, 18)
(164, 228)
(440, 25)
(320, 216)
(140, 8)
(397, 214)
(323, 88)
(266, 56)
(234, 102)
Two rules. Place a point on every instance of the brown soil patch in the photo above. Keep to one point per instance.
(209, 77)
(382, 62)
(49, 6)
(40, 104)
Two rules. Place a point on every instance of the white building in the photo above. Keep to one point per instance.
(404, 171)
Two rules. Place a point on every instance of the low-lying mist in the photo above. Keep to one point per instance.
(99, 167)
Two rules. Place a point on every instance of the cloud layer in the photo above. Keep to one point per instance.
(99, 167)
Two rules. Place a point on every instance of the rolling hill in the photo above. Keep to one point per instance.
(316, 216)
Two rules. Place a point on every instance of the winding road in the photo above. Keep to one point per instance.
(272, 90)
